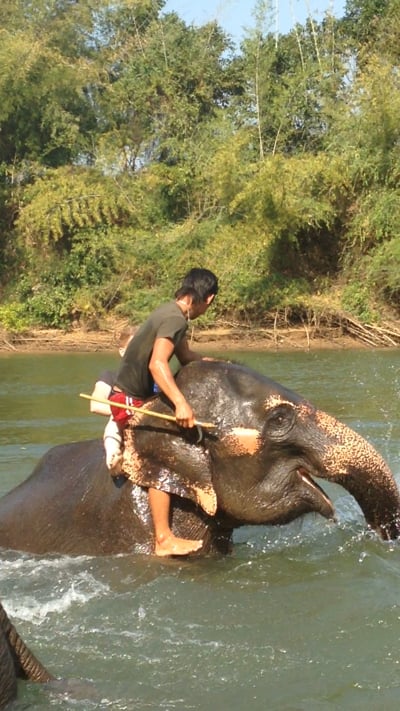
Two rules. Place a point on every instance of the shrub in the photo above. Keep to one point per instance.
(13, 317)
(356, 300)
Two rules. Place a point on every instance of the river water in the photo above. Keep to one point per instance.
(300, 617)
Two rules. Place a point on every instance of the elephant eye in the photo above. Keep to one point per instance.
(279, 421)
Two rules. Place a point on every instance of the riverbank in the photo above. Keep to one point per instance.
(215, 339)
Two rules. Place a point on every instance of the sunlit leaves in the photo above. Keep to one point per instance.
(289, 194)
(64, 201)
(368, 129)
(42, 104)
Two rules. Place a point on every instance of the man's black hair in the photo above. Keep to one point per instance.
(199, 284)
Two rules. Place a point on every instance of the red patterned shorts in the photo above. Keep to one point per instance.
(119, 414)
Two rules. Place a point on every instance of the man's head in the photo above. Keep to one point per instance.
(201, 285)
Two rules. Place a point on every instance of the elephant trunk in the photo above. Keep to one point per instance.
(8, 679)
(26, 664)
(349, 460)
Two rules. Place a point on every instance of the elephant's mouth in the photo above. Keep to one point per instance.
(325, 506)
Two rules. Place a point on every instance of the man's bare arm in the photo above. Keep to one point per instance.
(162, 374)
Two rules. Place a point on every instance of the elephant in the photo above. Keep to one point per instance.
(257, 465)
(16, 661)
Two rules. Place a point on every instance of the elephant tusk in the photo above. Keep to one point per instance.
(142, 410)
(308, 480)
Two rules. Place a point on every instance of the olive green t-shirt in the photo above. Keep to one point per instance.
(134, 377)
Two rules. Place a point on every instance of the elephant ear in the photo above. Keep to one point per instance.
(171, 463)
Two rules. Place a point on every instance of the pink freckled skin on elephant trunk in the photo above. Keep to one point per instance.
(371, 482)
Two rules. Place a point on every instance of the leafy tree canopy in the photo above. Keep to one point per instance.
(133, 146)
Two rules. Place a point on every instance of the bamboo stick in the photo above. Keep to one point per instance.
(132, 408)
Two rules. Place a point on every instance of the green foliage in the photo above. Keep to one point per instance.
(164, 82)
(249, 288)
(161, 260)
(361, 19)
(79, 284)
(44, 114)
(50, 306)
(367, 131)
(368, 137)
(387, 37)
(382, 272)
(64, 201)
(13, 317)
(293, 86)
(376, 218)
(356, 299)
(133, 147)
(284, 196)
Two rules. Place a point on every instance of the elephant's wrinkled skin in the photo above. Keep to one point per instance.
(255, 467)
(16, 661)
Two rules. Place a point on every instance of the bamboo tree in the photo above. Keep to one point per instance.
(368, 136)
(297, 87)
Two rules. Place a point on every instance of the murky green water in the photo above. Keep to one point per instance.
(303, 617)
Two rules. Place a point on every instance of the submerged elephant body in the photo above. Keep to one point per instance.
(255, 467)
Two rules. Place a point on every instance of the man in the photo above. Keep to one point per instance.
(145, 364)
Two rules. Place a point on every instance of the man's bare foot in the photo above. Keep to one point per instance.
(171, 545)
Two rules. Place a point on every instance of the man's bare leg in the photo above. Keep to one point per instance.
(113, 447)
(113, 456)
(166, 542)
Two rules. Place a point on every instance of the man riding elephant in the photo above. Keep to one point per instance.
(257, 465)
(145, 363)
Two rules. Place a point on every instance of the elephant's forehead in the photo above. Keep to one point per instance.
(272, 401)
(304, 408)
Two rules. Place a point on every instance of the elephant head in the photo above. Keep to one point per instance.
(257, 466)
